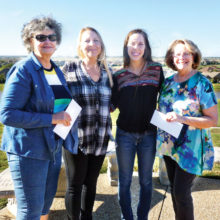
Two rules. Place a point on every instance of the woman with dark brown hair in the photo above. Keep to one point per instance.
(135, 92)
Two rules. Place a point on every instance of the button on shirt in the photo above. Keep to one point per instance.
(94, 122)
(193, 150)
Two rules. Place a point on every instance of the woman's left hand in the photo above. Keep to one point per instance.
(207, 120)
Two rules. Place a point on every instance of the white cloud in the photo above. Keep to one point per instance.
(17, 13)
(176, 35)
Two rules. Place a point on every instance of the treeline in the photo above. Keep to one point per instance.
(211, 61)
(3, 71)
(6, 63)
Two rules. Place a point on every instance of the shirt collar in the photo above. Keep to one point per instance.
(37, 64)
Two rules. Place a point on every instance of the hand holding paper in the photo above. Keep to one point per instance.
(159, 119)
(73, 110)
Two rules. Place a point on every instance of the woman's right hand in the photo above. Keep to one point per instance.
(174, 117)
(61, 118)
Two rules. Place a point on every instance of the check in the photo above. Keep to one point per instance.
(73, 109)
(159, 119)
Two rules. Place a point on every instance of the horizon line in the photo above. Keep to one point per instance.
(76, 57)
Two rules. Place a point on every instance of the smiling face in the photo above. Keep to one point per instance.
(45, 48)
(182, 58)
(90, 44)
(136, 47)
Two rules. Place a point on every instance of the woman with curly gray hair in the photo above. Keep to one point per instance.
(33, 101)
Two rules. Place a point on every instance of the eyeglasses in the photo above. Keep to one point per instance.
(186, 55)
(42, 37)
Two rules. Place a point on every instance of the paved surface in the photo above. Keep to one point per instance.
(206, 197)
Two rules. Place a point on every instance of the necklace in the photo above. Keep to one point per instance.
(137, 71)
(181, 78)
(93, 71)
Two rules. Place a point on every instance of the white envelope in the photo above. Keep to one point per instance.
(73, 110)
(159, 119)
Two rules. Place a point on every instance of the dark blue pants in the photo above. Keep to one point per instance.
(128, 144)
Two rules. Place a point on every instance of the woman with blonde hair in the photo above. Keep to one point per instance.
(90, 82)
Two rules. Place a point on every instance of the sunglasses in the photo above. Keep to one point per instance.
(42, 37)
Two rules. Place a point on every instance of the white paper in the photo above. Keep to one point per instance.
(73, 110)
(159, 119)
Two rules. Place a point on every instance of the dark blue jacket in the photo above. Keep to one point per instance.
(26, 110)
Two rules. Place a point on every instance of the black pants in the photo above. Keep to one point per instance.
(181, 183)
(82, 173)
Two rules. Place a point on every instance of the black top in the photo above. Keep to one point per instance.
(136, 97)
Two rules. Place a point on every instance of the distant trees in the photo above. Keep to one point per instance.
(4, 68)
(2, 78)
(206, 61)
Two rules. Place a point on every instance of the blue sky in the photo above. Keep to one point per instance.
(163, 20)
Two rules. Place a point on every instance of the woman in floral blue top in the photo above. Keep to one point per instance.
(187, 97)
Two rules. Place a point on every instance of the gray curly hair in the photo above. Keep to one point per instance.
(39, 24)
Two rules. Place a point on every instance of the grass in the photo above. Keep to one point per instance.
(3, 165)
(214, 173)
(3, 161)
(215, 133)
(3, 203)
(1, 86)
(3, 158)
(218, 113)
(216, 87)
(104, 166)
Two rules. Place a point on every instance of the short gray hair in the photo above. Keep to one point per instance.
(40, 24)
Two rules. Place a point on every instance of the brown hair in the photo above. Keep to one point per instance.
(147, 53)
(102, 56)
(191, 47)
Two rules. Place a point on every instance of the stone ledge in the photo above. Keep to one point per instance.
(6, 184)
(7, 187)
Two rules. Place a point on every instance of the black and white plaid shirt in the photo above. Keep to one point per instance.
(94, 127)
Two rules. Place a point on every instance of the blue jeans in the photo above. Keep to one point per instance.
(128, 144)
(35, 184)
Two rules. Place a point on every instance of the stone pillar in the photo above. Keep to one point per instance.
(61, 187)
(112, 170)
(12, 206)
(61, 190)
(163, 173)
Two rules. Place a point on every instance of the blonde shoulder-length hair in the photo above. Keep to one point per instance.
(102, 56)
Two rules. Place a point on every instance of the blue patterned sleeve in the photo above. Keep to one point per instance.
(207, 94)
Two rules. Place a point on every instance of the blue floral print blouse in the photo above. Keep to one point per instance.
(193, 149)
